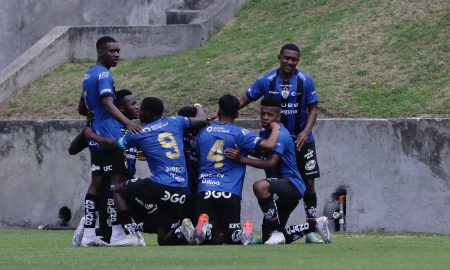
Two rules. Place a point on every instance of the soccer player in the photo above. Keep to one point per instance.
(295, 89)
(127, 104)
(278, 195)
(220, 180)
(161, 142)
(98, 95)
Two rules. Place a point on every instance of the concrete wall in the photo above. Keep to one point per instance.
(396, 172)
(24, 22)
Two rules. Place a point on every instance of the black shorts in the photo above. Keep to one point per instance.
(144, 192)
(307, 163)
(107, 163)
(224, 211)
(286, 196)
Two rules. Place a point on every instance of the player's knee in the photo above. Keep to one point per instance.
(261, 189)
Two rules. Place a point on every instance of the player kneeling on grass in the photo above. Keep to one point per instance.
(161, 142)
(279, 194)
(219, 186)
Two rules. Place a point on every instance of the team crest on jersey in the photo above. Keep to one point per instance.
(285, 90)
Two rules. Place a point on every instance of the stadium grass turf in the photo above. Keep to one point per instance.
(33, 249)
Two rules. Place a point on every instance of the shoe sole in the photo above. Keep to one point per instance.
(248, 232)
(324, 228)
(200, 229)
(189, 229)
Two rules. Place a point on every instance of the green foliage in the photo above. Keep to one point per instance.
(368, 59)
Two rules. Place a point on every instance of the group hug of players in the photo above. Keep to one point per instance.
(197, 165)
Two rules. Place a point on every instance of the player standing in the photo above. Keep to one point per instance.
(295, 90)
(98, 96)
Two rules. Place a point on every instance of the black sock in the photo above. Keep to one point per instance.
(295, 232)
(90, 210)
(127, 223)
(310, 204)
(270, 211)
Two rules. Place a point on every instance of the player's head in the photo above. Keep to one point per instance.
(187, 111)
(151, 109)
(107, 51)
(127, 104)
(288, 58)
(269, 111)
(228, 106)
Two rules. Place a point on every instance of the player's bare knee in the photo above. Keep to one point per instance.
(261, 189)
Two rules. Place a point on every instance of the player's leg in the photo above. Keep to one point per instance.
(230, 216)
(309, 169)
(104, 227)
(207, 226)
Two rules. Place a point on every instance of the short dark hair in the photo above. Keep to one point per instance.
(101, 42)
(152, 105)
(290, 47)
(187, 111)
(229, 105)
(270, 102)
(121, 94)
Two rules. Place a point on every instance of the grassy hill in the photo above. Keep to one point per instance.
(374, 58)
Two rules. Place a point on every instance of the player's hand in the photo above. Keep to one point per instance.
(133, 127)
(89, 117)
(140, 156)
(233, 153)
(274, 125)
(301, 140)
(88, 132)
(212, 116)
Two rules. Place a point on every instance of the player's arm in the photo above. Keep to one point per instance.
(270, 143)
(302, 137)
(106, 143)
(82, 109)
(200, 118)
(244, 100)
(108, 103)
(269, 163)
(78, 144)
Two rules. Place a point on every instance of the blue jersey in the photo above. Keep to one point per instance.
(217, 172)
(98, 82)
(287, 166)
(294, 94)
(162, 144)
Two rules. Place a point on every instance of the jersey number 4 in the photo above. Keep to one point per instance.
(167, 140)
(216, 154)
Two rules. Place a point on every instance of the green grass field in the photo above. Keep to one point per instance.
(378, 58)
(34, 249)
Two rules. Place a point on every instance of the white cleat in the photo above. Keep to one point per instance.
(78, 234)
(322, 229)
(313, 238)
(141, 239)
(126, 241)
(187, 229)
(93, 242)
(276, 238)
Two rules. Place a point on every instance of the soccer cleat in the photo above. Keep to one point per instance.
(313, 238)
(187, 230)
(322, 229)
(93, 242)
(141, 239)
(128, 240)
(201, 230)
(247, 233)
(78, 234)
(276, 238)
(117, 233)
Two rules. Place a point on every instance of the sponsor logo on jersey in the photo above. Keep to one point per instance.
(103, 75)
(245, 131)
(86, 76)
(310, 165)
(175, 169)
(309, 154)
(210, 182)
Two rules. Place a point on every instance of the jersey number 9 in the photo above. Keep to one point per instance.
(167, 140)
